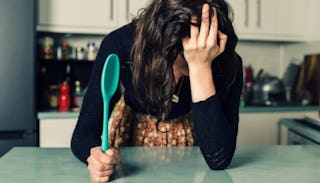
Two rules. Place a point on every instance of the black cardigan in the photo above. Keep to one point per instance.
(215, 126)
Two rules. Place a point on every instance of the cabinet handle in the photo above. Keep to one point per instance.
(111, 10)
(128, 9)
(258, 13)
(246, 6)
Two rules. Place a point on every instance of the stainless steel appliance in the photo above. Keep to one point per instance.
(295, 138)
(18, 124)
(268, 90)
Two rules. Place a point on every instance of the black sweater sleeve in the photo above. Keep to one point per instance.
(216, 127)
(87, 133)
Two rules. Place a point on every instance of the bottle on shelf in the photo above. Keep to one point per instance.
(65, 50)
(92, 51)
(248, 83)
(64, 97)
(78, 95)
(46, 47)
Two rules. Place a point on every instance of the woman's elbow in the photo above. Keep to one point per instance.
(218, 165)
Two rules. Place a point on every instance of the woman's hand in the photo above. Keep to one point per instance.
(101, 165)
(200, 49)
(202, 46)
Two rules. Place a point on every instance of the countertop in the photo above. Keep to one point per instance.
(54, 114)
(302, 127)
(173, 164)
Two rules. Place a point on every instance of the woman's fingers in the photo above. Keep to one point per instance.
(100, 179)
(204, 45)
(194, 33)
(205, 26)
(100, 173)
(101, 165)
(212, 38)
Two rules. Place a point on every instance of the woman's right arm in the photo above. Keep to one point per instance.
(86, 139)
(87, 133)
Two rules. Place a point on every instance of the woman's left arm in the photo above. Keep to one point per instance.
(215, 126)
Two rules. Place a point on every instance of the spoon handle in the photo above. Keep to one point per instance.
(105, 140)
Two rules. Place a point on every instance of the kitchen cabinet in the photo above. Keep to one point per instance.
(313, 24)
(81, 16)
(270, 20)
(129, 9)
(255, 128)
(56, 132)
(262, 128)
(84, 16)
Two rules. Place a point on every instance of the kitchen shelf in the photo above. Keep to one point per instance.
(69, 61)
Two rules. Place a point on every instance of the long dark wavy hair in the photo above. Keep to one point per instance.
(160, 28)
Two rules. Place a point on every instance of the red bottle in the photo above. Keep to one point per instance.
(64, 97)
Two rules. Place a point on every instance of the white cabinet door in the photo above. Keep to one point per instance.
(241, 16)
(80, 16)
(281, 18)
(275, 20)
(312, 18)
(128, 9)
(262, 128)
(56, 132)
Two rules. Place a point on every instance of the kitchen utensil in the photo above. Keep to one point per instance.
(309, 79)
(109, 83)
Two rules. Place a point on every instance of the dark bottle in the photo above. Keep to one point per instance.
(248, 87)
(64, 97)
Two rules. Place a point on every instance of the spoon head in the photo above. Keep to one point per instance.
(110, 76)
(109, 83)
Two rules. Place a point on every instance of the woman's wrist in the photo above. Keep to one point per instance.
(201, 82)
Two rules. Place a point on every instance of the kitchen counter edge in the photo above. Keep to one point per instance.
(72, 114)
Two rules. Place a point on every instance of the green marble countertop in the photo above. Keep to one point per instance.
(74, 114)
(185, 164)
(303, 128)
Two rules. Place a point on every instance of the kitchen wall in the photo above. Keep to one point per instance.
(274, 57)
(264, 55)
(298, 50)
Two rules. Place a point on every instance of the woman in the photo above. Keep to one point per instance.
(182, 82)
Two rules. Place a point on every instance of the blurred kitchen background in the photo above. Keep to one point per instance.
(279, 42)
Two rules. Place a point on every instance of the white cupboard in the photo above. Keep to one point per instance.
(85, 16)
(262, 128)
(56, 132)
(129, 9)
(272, 20)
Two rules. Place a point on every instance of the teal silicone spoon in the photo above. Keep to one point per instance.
(109, 83)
